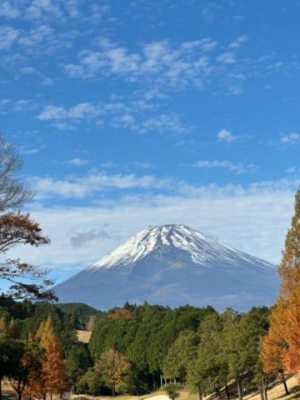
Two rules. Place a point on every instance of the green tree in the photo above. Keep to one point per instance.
(182, 352)
(172, 391)
(212, 367)
(240, 348)
(78, 362)
(25, 362)
(90, 383)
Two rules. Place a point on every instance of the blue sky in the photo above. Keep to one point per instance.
(145, 112)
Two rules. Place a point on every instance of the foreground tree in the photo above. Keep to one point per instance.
(182, 352)
(281, 345)
(115, 370)
(172, 391)
(54, 369)
(18, 229)
(25, 360)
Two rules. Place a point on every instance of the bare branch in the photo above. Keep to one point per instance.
(13, 193)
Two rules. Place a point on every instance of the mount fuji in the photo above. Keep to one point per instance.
(174, 265)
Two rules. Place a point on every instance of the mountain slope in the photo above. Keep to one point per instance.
(173, 265)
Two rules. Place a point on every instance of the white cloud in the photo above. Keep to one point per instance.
(253, 219)
(157, 63)
(109, 164)
(86, 186)
(238, 42)
(117, 115)
(8, 10)
(8, 36)
(291, 138)
(226, 136)
(227, 58)
(225, 164)
(291, 170)
(78, 162)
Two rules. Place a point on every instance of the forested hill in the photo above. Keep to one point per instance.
(147, 343)
(128, 329)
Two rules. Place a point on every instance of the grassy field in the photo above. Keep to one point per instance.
(274, 393)
(84, 336)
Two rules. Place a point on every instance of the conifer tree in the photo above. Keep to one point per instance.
(54, 375)
(281, 345)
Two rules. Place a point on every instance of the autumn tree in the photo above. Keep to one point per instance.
(114, 368)
(274, 345)
(17, 228)
(54, 376)
(25, 360)
(281, 345)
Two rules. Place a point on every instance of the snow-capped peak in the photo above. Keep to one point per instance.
(200, 247)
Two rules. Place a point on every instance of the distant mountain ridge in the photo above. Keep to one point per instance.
(173, 265)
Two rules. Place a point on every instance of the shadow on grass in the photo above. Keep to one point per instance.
(294, 393)
(8, 395)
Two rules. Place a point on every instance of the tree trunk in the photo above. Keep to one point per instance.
(218, 391)
(227, 391)
(199, 393)
(1, 387)
(283, 380)
(239, 387)
(263, 389)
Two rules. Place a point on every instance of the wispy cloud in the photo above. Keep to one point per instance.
(225, 164)
(176, 67)
(82, 238)
(290, 138)
(8, 36)
(227, 58)
(86, 186)
(238, 42)
(136, 116)
(226, 136)
(77, 162)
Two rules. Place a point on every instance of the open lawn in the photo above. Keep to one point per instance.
(84, 336)
(275, 392)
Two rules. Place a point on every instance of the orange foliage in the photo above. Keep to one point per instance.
(282, 344)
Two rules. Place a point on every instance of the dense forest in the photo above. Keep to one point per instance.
(133, 349)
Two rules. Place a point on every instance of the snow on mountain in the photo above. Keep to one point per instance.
(173, 265)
